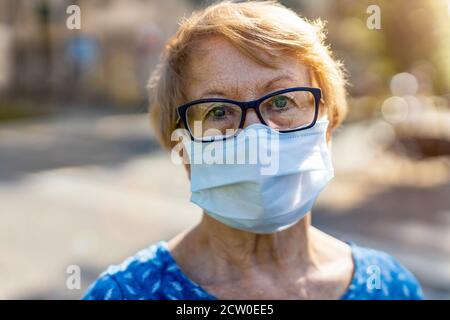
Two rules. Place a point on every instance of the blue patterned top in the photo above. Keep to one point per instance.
(153, 274)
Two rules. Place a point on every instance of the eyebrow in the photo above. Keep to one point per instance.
(264, 88)
(269, 84)
(212, 92)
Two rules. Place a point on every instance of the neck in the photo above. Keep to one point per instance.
(241, 250)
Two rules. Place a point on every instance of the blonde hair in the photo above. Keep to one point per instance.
(255, 28)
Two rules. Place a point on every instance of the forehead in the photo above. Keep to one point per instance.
(217, 68)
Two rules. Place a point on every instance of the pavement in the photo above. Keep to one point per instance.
(90, 189)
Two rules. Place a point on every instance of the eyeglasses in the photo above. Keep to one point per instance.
(286, 110)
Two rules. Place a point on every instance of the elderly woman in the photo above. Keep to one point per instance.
(232, 69)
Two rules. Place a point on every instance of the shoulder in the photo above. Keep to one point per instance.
(378, 275)
(137, 277)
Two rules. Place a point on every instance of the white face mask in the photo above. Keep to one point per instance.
(245, 197)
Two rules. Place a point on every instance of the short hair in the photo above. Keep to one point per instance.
(254, 28)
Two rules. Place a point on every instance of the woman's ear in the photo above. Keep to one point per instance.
(328, 135)
(182, 153)
(187, 166)
(178, 147)
(314, 80)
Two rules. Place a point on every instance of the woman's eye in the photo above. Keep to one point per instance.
(280, 102)
(217, 112)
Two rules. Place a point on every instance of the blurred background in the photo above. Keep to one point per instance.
(83, 182)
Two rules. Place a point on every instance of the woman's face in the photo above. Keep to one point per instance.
(218, 69)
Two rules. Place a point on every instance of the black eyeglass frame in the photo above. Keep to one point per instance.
(253, 104)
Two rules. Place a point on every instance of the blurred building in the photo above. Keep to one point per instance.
(107, 61)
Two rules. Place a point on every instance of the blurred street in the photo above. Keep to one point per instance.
(89, 189)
